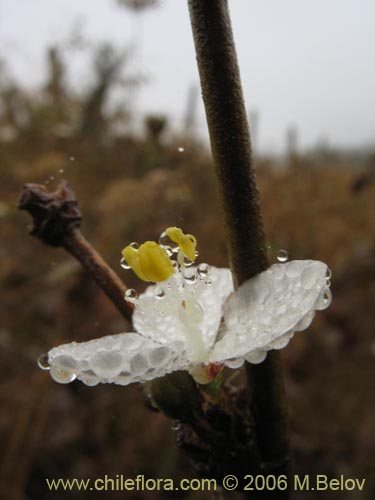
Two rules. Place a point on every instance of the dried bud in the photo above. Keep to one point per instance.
(54, 213)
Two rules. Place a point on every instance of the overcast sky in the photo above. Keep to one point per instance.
(306, 64)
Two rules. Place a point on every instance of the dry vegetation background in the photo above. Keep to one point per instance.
(317, 206)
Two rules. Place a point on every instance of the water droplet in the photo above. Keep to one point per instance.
(106, 364)
(52, 178)
(183, 260)
(130, 295)
(124, 264)
(203, 270)
(282, 255)
(324, 299)
(190, 276)
(64, 369)
(166, 243)
(180, 149)
(159, 293)
(61, 171)
(72, 158)
(235, 363)
(175, 425)
(43, 362)
(208, 282)
(328, 276)
(134, 245)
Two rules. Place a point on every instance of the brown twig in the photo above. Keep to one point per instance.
(231, 149)
(56, 221)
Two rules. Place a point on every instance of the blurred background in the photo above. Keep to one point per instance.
(106, 95)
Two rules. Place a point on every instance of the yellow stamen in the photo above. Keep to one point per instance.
(150, 262)
(186, 242)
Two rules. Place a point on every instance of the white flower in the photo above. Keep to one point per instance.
(195, 321)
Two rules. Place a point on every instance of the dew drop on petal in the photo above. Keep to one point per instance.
(159, 293)
(282, 256)
(106, 364)
(130, 294)
(308, 277)
(134, 245)
(131, 341)
(190, 276)
(324, 299)
(159, 356)
(305, 322)
(63, 369)
(43, 362)
(203, 270)
(89, 378)
(124, 264)
(234, 363)
(139, 364)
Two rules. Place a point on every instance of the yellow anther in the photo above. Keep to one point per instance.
(186, 242)
(150, 262)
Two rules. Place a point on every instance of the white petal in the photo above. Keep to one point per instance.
(212, 300)
(266, 310)
(165, 320)
(121, 359)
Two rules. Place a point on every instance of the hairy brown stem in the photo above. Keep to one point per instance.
(231, 149)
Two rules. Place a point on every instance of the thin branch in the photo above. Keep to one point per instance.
(56, 221)
(231, 149)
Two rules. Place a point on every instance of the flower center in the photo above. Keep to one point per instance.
(179, 283)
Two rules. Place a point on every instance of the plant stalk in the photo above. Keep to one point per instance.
(235, 173)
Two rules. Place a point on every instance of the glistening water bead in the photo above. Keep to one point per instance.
(282, 256)
(190, 276)
(130, 294)
(166, 242)
(43, 362)
(203, 270)
(124, 264)
(159, 293)
(324, 299)
(183, 260)
(64, 369)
